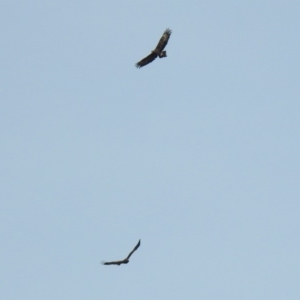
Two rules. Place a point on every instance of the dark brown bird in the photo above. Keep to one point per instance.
(158, 51)
(124, 261)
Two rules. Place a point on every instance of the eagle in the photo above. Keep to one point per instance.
(125, 260)
(158, 51)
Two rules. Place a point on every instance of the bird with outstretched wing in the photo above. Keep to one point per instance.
(158, 51)
(124, 261)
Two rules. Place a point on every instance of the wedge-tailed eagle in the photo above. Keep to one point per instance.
(124, 261)
(158, 51)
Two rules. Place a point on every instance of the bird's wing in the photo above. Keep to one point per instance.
(137, 245)
(118, 262)
(147, 60)
(163, 41)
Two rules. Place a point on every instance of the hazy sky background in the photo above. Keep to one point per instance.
(197, 154)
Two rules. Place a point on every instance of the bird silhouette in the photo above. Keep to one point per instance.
(158, 51)
(125, 260)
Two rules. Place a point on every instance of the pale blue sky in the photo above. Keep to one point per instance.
(197, 154)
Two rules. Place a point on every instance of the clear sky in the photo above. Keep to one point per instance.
(196, 154)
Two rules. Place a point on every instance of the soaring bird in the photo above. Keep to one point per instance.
(124, 261)
(158, 51)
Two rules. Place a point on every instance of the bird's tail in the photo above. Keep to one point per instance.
(163, 54)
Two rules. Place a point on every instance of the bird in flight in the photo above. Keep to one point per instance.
(125, 260)
(158, 51)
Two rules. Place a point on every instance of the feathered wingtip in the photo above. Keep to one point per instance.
(168, 31)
